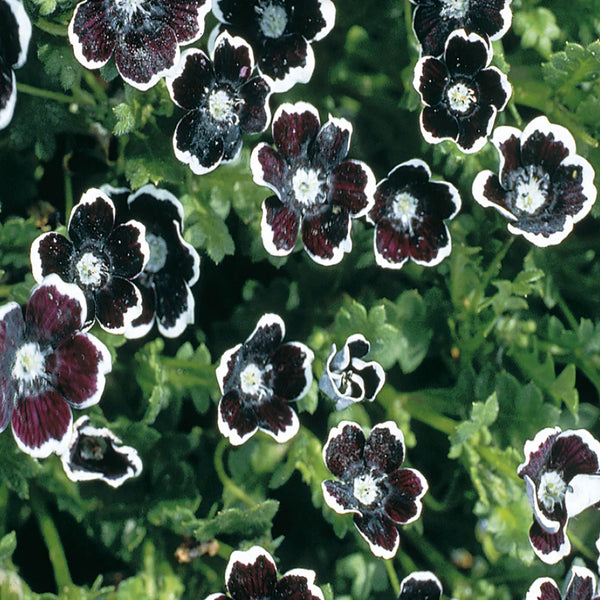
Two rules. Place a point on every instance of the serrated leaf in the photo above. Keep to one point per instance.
(483, 414)
(537, 28)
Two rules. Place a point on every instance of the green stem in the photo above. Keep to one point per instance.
(224, 479)
(492, 271)
(566, 311)
(68, 186)
(509, 470)
(51, 28)
(394, 581)
(420, 410)
(581, 547)
(24, 88)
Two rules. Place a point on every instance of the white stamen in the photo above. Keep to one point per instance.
(251, 381)
(307, 186)
(220, 105)
(158, 253)
(460, 98)
(130, 7)
(454, 9)
(29, 365)
(551, 490)
(273, 19)
(404, 208)
(366, 490)
(91, 270)
(530, 194)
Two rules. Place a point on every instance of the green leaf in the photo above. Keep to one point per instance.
(537, 28)
(483, 414)
(16, 468)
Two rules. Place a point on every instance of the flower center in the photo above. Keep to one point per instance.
(251, 380)
(220, 105)
(158, 253)
(551, 490)
(454, 9)
(531, 190)
(29, 364)
(307, 186)
(129, 7)
(366, 490)
(273, 19)
(93, 448)
(404, 208)
(460, 98)
(92, 270)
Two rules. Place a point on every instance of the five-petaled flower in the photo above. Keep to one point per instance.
(316, 189)
(97, 453)
(435, 20)
(420, 585)
(48, 366)
(562, 476)
(15, 33)
(347, 378)
(100, 258)
(252, 575)
(581, 586)
(280, 32)
(373, 485)
(543, 186)
(143, 35)
(258, 378)
(223, 101)
(461, 92)
(409, 215)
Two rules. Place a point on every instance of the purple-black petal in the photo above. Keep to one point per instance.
(465, 55)
(549, 547)
(380, 533)
(431, 78)
(326, 235)
(384, 448)
(92, 34)
(340, 497)
(52, 253)
(421, 585)
(127, 248)
(233, 60)
(291, 370)
(254, 578)
(194, 80)
(92, 219)
(295, 126)
(343, 453)
(351, 185)
(332, 143)
(402, 505)
(253, 112)
(237, 420)
(279, 227)
(118, 303)
(277, 419)
(286, 60)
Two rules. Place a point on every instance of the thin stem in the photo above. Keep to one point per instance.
(566, 311)
(223, 477)
(51, 28)
(395, 583)
(492, 459)
(24, 88)
(422, 412)
(581, 547)
(492, 271)
(68, 186)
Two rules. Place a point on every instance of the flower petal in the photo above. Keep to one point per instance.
(128, 249)
(582, 584)
(545, 144)
(488, 192)
(339, 497)
(185, 17)
(279, 227)
(326, 235)
(292, 364)
(549, 547)
(438, 125)
(295, 126)
(15, 32)
(250, 574)
(227, 363)
(543, 588)
(430, 29)
(430, 242)
(8, 93)
(332, 143)
(254, 113)
(269, 169)
(277, 419)
(372, 375)
(381, 535)
(266, 337)
(297, 584)
(192, 80)
(384, 448)
(466, 54)
(391, 246)
(237, 420)
(314, 19)
(352, 185)
(430, 79)
(508, 143)
(118, 303)
(174, 304)
(51, 253)
(233, 59)
(343, 451)
(537, 452)
(494, 87)
(575, 452)
(474, 130)
(574, 180)
(421, 585)
(92, 219)
(142, 325)
(403, 505)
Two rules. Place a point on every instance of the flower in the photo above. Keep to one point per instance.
(543, 186)
(409, 215)
(462, 93)
(315, 187)
(435, 20)
(258, 378)
(48, 366)
(223, 102)
(420, 585)
(280, 32)
(561, 472)
(348, 378)
(581, 586)
(143, 35)
(101, 259)
(252, 575)
(15, 33)
(98, 454)
(173, 267)
(373, 486)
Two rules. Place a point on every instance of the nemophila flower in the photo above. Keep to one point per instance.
(543, 186)
(373, 485)
(420, 585)
(280, 32)
(461, 92)
(258, 379)
(100, 258)
(581, 586)
(252, 575)
(143, 35)
(97, 453)
(47, 366)
(435, 20)
(562, 475)
(348, 378)
(15, 33)
(317, 191)
(409, 215)
(223, 101)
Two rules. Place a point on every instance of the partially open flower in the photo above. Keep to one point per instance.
(348, 378)
(100, 258)
(581, 586)
(409, 215)
(280, 33)
(258, 379)
(420, 585)
(15, 33)
(373, 485)
(97, 453)
(48, 366)
(543, 186)
(143, 35)
(223, 101)
(317, 191)
(462, 93)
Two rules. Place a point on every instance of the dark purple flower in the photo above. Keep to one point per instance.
(435, 20)
(280, 33)
(100, 258)
(47, 366)
(316, 189)
(373, 485)
(581, 586)
(223, 101)
(409, 215)
(420, 585)
(252, 575)
(562, 475)
(143, 35)
(15, 33)
(461, 92)
(543, 186)
(349, 379)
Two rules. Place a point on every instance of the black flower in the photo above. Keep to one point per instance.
(409, 215)
(143, 35)
(581, 586)
(373, 486)
(316, 189)
(348, 378)
(48, 366)
(15, 33)
(420, 585)
(280, 32)
(223, 102)
(100, 258)
(435, 20)
(258, 378)
(543, 186)
(462, 93)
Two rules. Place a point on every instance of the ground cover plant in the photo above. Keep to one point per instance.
(299, 299)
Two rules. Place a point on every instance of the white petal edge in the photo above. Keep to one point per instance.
(310, 576)
(478, 192)
(336, 432)
(420, 576)
(267, 320)
(380, 551)
(556, 555)
(471, 38)
(295, 109)
(267, 236)
(234, 42)
(35, 256)
(543, 241)
(78, 47)
(300, 74)
(235, 439)
(187, 158)
(443, 252)
(160, 194)
(178, 71)
(184, 319)
(542, 125)
(583, 492)
(535, 590)
(548, 525)
(581, 573)
(247, 558)
(500, 136)
(344, 126)
(135, 332)
(144, 86)
(222, 370)
(90, 196)
(307, 367)
(587, 183)
(328, 12)
(6, 114)
(129, 315)
(344, 247)
(362, 364)
(24, 27)
(506, 14)
(66, 289)
(334, 504)
(534, 445)
(286, 434)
